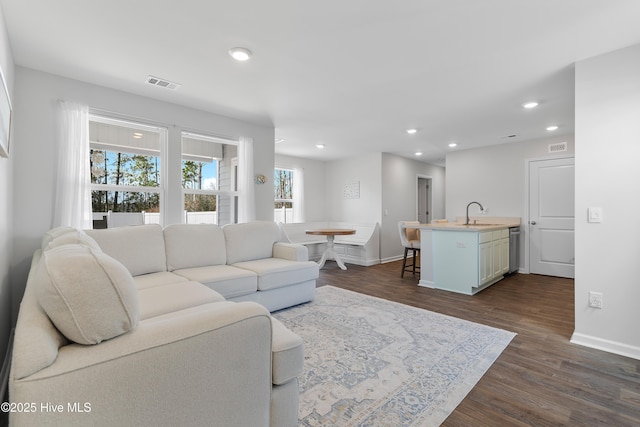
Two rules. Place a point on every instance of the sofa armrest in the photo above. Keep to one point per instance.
(209, 362)
(290, 251)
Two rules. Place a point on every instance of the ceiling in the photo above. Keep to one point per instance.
(352, 75)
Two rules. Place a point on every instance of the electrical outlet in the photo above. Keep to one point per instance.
(595, 299)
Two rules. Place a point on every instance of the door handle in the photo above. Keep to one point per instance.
(532, 222)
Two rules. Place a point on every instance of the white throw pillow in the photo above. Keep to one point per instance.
(54, 233)
(89, 296)
(73, 237)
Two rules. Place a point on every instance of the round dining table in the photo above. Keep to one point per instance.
(330, 253)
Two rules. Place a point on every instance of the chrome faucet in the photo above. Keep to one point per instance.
(481, 210)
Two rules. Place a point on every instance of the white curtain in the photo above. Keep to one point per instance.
(73, 187)
(298, 195)
(246, 202)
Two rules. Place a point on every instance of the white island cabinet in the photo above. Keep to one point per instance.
(463, 258)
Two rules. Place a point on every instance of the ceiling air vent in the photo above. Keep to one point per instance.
(156, 81)
(558, 147)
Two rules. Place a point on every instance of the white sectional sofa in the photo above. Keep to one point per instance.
(243, 262)
(144, 326)
(361, 248)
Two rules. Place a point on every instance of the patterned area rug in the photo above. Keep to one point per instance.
(372, 362)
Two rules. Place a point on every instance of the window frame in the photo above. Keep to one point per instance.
(217, 193)
(276, 200)
(161, 189)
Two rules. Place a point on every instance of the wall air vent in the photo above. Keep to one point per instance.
(558, 147)
(156, 81)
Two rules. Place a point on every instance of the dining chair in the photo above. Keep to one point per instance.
(410, 239)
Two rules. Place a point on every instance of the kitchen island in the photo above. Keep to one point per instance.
(465, 258)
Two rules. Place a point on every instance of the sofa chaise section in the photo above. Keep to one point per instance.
(285, 276)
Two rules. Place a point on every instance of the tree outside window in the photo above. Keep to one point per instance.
(209, 171)
(283, 187)
(125, 163)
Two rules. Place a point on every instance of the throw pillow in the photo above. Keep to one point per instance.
(73, 237)
(54, 233)
(89, 296)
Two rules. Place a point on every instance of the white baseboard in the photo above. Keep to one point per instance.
(606, 345)
(427, 284)
(391, 259)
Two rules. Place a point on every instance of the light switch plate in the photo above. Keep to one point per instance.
(594, 214)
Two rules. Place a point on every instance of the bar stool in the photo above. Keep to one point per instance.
(410, 239)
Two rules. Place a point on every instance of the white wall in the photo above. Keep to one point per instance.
(387, 192)
(6, 201)
(399, 193)
(608, 176)
(34, 150)
(366, 170)
(494, 176)
(314, 184)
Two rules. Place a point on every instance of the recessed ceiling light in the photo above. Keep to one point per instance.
(552, 128)
(418, 153)
(412, 131)
(137, 135)
(453, 144)
(319, 145)
(240, 53)
(531, 104)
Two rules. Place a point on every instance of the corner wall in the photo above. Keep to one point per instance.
(314, 184)
(495, 176)
(607, 176)
(6, 202)
(399, 193)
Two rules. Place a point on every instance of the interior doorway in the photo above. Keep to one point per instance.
(551, 217)
(423, 199)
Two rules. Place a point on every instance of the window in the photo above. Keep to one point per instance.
(283, 186)
(209, 179)
(126, 176)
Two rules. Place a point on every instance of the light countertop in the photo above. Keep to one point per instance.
(481, 224)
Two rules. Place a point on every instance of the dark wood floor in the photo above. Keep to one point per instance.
(541, 379)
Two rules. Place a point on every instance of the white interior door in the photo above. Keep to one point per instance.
(551, 217)
(424, 216)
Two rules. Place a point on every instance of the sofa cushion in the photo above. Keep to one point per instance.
(162, 278)
(228, 281)
(249, 241)
(89, 296)
(288, 353)
(140, 248)
(276, 272)
(160, 300)
(194, 245)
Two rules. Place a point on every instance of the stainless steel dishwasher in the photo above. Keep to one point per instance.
(514, 249)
